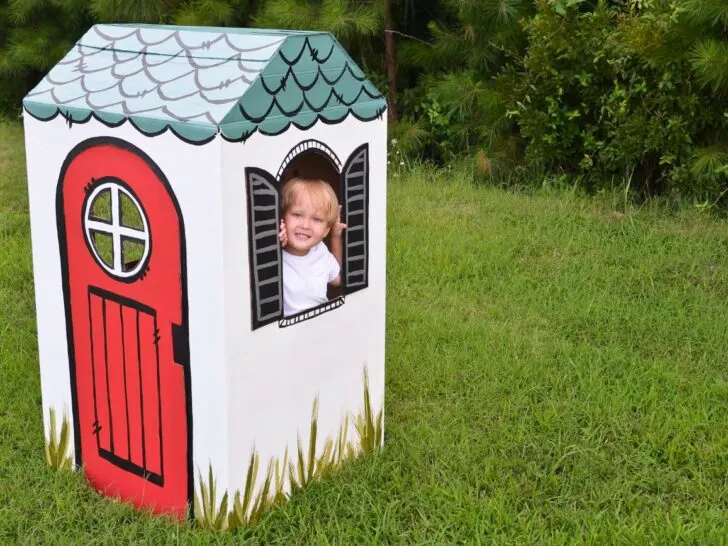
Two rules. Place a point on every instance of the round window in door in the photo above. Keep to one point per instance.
(126, 324)
(116, 229)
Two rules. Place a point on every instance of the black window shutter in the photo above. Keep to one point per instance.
(355, 196)
(266, 290)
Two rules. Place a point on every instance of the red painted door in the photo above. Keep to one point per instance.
(122, 251)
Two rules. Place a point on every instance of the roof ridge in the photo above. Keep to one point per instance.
(162, 54)
(213, 30)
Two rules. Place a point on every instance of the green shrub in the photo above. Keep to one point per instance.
(609, 94)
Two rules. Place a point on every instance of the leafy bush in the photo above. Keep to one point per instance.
(609, 94)
(457, 98)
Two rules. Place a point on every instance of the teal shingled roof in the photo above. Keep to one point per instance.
(200, 81)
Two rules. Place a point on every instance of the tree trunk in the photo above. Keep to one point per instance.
(390, 59)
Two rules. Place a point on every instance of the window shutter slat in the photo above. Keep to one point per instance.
(355, 189)
(264, 248)
(266, 233)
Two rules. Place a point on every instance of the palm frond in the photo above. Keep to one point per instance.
(37, 48)
(289, 14)
(710, 162)
(139, 11)
(205, 13)
(22, 11)
(709, 60)
(713, 13)
(346, 21)
(448, 43)
(489, 15)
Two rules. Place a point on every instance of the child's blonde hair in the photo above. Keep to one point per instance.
(321, 193)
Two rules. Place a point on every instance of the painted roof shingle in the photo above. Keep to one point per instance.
(200, 82)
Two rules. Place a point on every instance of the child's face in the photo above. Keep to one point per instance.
(306, 225)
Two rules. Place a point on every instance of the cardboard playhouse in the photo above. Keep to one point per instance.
(155, 160)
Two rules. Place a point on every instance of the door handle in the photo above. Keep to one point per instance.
(181, 344)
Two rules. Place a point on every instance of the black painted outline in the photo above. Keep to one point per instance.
(303, 127)
(319, 74)
(122, 300)
(323, 107)
(219, 130)
(168, 127)
(306, 45)
(65, 282)
(133, 468)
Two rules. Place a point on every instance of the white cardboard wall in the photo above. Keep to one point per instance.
(275, 373)
(248, 388)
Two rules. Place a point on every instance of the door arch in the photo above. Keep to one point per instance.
(123, 264)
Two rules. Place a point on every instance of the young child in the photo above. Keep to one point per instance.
(310, 212)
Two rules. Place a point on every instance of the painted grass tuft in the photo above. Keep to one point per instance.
(208, 515)
(369, 426)
(57, 446)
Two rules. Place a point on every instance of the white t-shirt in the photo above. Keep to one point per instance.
(305, 278)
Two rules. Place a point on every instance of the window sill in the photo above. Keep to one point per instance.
(311, 313)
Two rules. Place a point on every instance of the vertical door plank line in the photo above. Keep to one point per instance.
(108, 391)
(141, 391)
(126, 392)
(159, 398)
(93, 373)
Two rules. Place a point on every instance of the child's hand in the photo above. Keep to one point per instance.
(338, 226)
(283, 234)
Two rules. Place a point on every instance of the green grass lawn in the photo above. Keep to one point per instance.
(556, 373)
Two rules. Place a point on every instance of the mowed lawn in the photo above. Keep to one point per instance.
(556, 374)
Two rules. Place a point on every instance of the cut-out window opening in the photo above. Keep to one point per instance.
(101, 206)
(309, 159)
(103, 243)
(116, 229)
(130, 214)
(307, 148)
